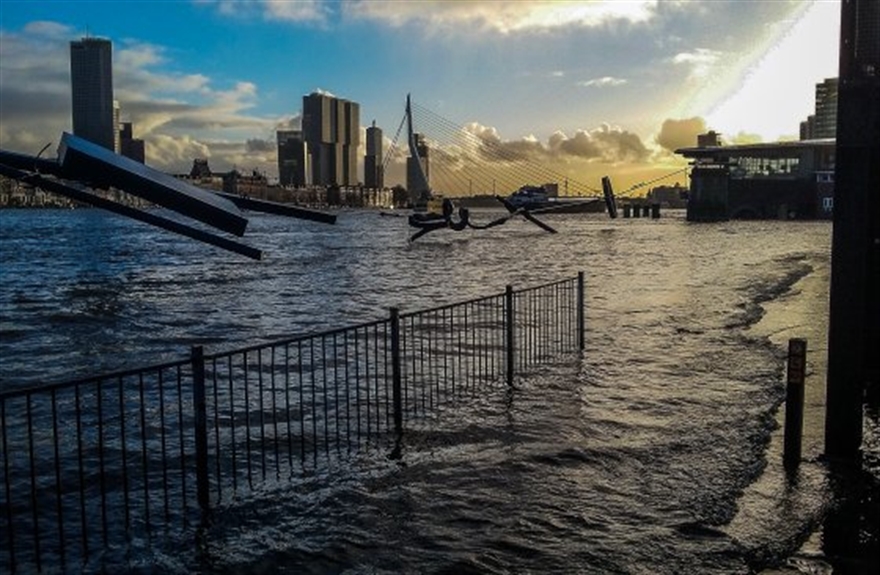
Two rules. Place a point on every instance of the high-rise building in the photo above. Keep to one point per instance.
(823, 123)
(331, 132)
(292, 158)
(826, 109)
(91, 83)
(374, 176)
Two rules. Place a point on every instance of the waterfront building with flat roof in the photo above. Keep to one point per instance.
(779, 180)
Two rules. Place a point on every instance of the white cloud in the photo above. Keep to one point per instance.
(700, 61)
(603, 82)
(504, 17)
(298, 11)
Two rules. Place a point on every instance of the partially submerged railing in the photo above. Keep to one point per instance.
(104, 464)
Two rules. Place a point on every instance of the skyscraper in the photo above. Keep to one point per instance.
(91, 82)
(826, 109)
(374, 176)
(823, 123)
(331, 132)
(292, 163)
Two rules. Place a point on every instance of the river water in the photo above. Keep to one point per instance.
(644, 455)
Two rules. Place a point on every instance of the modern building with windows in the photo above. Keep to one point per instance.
(331, 132)
(822, 123)
(780, 180)
(91, 82)
(374, 176)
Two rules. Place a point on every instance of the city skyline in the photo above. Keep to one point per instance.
(592, 88)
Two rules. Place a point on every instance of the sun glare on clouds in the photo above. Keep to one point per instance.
(778, 92)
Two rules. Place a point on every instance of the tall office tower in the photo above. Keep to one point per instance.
(91, 84)
(292, 158)
(413, 178)
(374, 176)
(826, 109)
(331, 132)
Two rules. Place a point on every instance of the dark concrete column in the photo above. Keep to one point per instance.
(852, 336)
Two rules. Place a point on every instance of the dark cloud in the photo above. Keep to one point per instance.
(258, 145)
(676, 134)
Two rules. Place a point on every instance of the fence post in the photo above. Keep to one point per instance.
(397, 396)
(201, 428)
(509, 331)
(580, 312)
(794, 401)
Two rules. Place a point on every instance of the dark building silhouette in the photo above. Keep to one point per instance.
(292, 158)
(374, 171)
(129, 146)
(91, 83)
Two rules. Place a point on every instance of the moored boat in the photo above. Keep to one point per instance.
(536, 199)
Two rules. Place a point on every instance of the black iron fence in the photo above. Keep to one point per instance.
(101, 466)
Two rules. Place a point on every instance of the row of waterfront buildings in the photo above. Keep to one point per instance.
(324, 152)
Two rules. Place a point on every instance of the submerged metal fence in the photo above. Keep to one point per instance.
(100, 467)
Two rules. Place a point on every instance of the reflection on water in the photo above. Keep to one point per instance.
(630, 459)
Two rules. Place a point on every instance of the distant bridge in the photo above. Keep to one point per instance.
(462, 161)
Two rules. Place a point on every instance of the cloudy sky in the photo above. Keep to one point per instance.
(588, 88)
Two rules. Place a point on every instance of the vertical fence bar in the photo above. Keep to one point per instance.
(7, 480)
(509, 329)
(201, 428)
(580, 312)
(395, 372)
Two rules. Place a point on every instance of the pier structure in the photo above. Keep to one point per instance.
(780, 180)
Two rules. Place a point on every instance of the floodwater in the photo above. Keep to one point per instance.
(655, 451)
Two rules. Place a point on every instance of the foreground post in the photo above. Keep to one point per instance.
(794, 402)
(396, 395)
(201, 428)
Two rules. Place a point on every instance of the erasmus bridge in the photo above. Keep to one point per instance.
(452, 159)
(467, 160)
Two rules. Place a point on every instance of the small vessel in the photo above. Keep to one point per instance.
(536, 199)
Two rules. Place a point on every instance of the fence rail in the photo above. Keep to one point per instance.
(101, 465)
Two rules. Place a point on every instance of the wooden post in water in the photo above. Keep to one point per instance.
(508, 332)
(655, 211)
(794, 402)
(201, 429)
